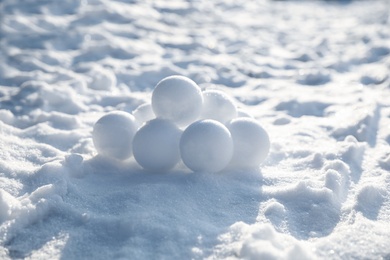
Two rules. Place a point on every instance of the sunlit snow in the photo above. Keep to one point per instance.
(313, 75)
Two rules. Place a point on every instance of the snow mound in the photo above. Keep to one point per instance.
(314, 74)
(260, 241)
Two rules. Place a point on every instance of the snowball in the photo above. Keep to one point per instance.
(156, 145)
(143, 113)
(243, 113)
(206, 145)
(218, 105)
(177, 98)
(251, 142)
(113, 134)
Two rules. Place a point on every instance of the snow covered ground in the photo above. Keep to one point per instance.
(314, 74)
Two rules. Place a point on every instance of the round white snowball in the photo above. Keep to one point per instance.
(177, 98)
(206, 145)
(251, 142)
(113, 134)
(143, 113)
(217, 105)
(156, 145)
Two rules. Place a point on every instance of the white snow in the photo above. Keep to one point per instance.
(313, 74)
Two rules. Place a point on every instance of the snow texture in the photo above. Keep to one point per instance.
(314, 74)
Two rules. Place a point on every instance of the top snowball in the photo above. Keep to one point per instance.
(177, 98)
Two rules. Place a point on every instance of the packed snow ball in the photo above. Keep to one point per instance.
(251, 142)
(206, 146)
(143, 113)
(218, 106)
(113, 135)
(177, 98)
(156, 145)
(216, 134)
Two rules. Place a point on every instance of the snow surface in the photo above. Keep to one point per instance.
(315, 74)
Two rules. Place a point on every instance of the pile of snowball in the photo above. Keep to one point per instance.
(204, 129)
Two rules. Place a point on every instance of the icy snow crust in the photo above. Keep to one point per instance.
(314, 74)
